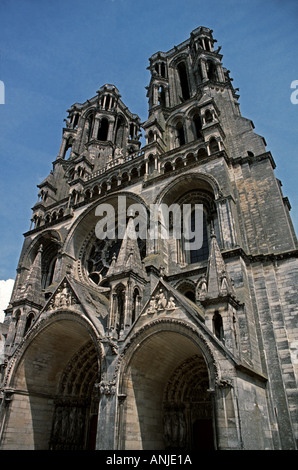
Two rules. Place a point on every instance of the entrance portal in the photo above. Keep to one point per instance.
(187, 412)
(53, 386)
(167, 406)
(74, 424)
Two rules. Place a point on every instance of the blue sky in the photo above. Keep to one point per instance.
(54, 53)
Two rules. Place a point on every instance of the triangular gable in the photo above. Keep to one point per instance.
(167, 301)
(75, 295)
(63, 297)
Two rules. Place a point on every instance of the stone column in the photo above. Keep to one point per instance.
(110, 130)
(107, 387)
(204, 71)
(95, 127)
(62, 147)
(226, 417)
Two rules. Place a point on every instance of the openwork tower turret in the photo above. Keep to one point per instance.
(137, 340)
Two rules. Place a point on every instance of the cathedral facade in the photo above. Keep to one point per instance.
(135, 340)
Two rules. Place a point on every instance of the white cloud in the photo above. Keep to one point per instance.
(5, 293)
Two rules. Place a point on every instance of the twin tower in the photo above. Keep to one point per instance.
(130, 342)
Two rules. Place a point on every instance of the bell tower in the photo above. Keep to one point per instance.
(135, 338)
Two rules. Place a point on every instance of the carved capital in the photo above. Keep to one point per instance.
(224, 383)
(107, 388)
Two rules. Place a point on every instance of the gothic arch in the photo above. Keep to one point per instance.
(193, 178)
(159, 348)
(50, 360)
(31, 250)
(187, 287)
(178, 58)
(84, 224)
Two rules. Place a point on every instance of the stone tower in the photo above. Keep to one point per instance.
(134, 340)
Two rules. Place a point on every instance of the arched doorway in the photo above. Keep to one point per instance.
(167, 404)
(53, 386)
(187, 407)
(76, 406)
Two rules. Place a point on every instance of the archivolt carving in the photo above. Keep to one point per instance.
(195, 175)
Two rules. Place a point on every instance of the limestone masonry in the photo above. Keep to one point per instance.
(140, 343)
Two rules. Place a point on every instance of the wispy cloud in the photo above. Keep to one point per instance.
(5, 293)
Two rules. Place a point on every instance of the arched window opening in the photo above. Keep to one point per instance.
(183, 80)
(43, 195)
(190, 295)
(119, 132)
(151, 164)
(114, 182)
(49, 256)
(76, 120)
(218, 326)
(104, 188)
(201, 43)
(95, 191)
(190, 159)
(16, 322)
(201, 253)
(134, 174)
(161, 96)
(180, 136)
(124, 179)
(107, 103)
(207, 44)
(135, 305)
(188, 290)
(142, 169)
(17, 318)
(131, 131)
(179, 163)
(197, 126)
(50, 274)
(213, 145)
(160, 69)
(150, 137)
(103, 130)
(87, 194)
(208, 117)
(68, 149)
(29, 321)
(211, 70)
(168, 167)
(89, 126)
(120, 306)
